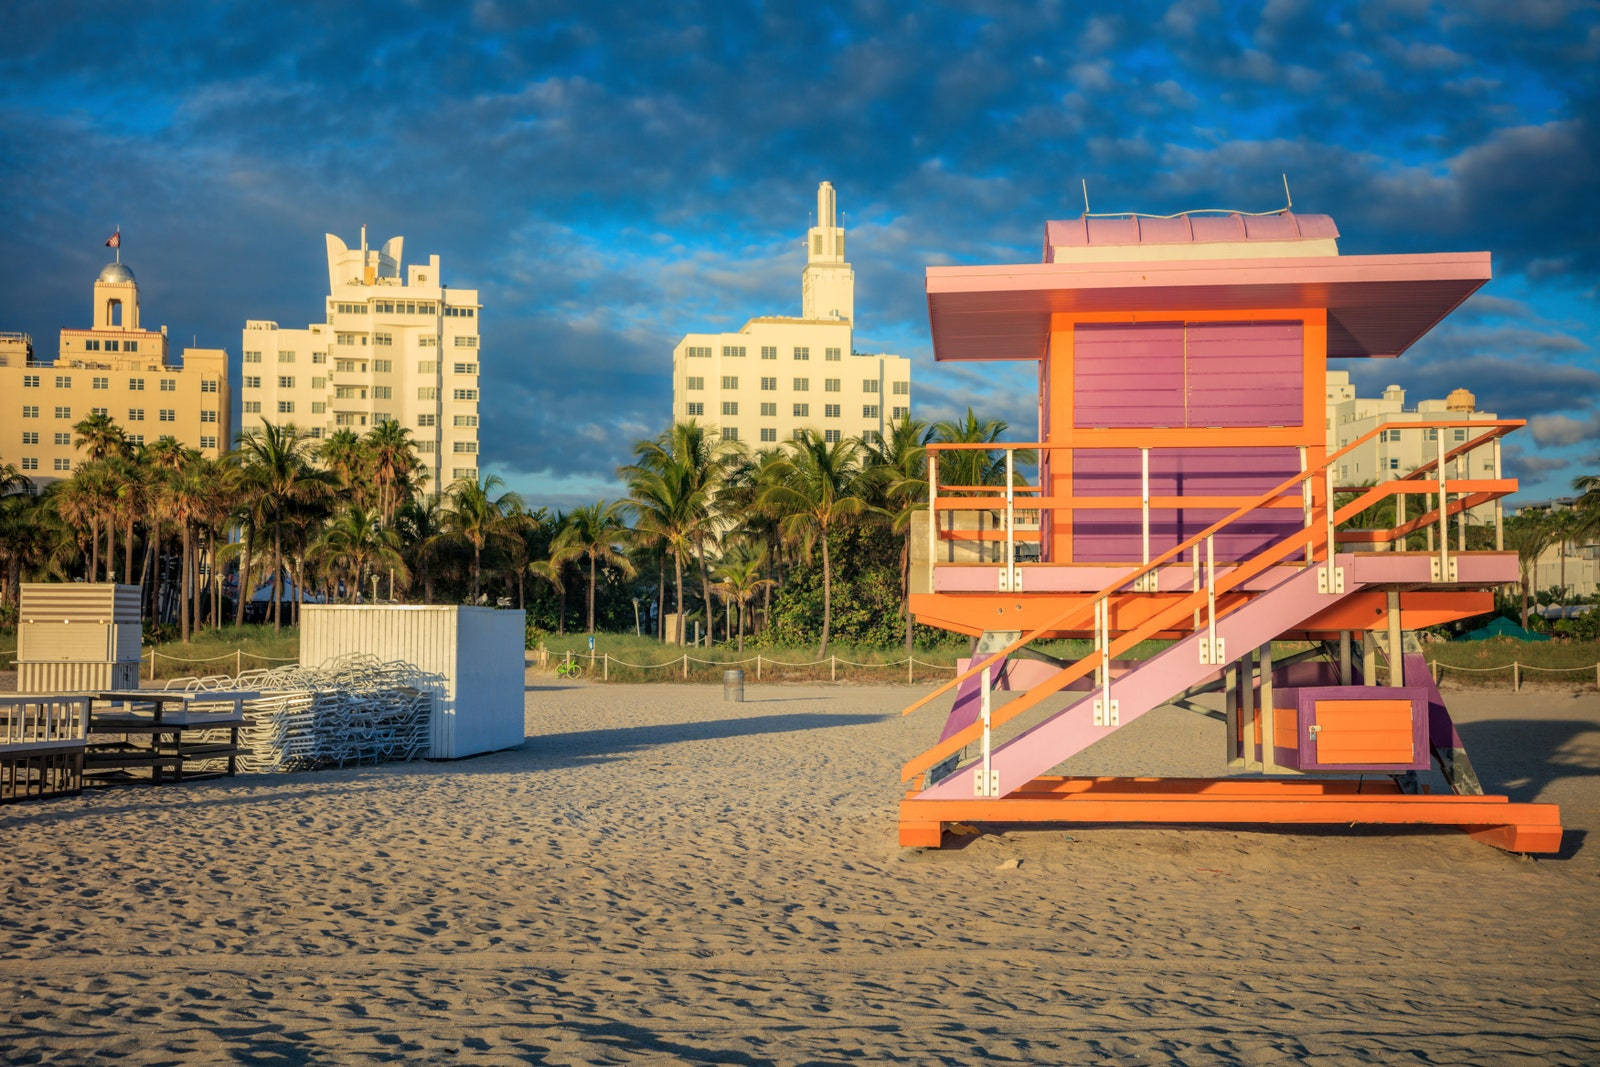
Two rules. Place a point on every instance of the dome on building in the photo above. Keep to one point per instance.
(115, 272)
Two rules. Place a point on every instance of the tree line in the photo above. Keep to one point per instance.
(798, 543)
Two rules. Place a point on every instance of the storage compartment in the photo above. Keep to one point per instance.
(1355, 727)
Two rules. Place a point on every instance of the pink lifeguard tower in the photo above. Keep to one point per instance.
(1186, 491)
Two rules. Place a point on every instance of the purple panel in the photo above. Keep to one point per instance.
(968, 704)
(1245, 374)
(1114, 536)
(1308, 697)
(1125, 375)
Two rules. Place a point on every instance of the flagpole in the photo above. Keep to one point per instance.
(119, 242)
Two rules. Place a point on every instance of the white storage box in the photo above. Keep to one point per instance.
(478, 651)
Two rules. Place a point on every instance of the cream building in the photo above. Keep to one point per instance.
(1396, 451)
(393, 345)
(778, 375)
(117, 368)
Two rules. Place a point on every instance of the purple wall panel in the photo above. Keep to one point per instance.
(1245, 374)
(1128, 375)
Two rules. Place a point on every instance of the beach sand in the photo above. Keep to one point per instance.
(659, 876)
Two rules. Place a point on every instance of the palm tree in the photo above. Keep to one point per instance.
(740, 578)
(478, 516)
(356, 539)
(1529, 534)
(277, 461)
(674, 481)
(391, 460)
(899, 473)
(187, 495)
(817, 489)
(18, 530)
(342, 454)
(598, 532)
(973, 467)
(421, 526)
(99, 437)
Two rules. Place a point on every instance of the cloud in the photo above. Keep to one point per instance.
(1565, 429)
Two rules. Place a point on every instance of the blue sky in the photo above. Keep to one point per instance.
(615, 178)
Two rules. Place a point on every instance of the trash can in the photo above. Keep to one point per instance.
(733, 686)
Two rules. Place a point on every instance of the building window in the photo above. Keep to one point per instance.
(902, 388)
(733, 351)
(730, 407)
(830, 385)
(100, 383)
(730, 433)
(698, 352)
(170, 415)
(319, 407)
(319, 383)
(427, 392)
(831, 355)
(830, 411)
(802, 353)
(207, 441)
(63, 412)
(466, 420)
(869, 411)
(111, 346)
(252, 406)
(1461, 435)
(694, 383)
(136, 414)
(91, 345)
(428, 366)
(349, 392)
(30, 411)
(769, 433)
(349, 366)
(63, 381)
(130, 346)
(468, 473)
(465, 394)
(695, 407)
(730, 381)
(871, 437)
(469, 341)
(382, 392)
(465, 446)
(382, 366)
(319, 357)
(209, 385)
(30, 381)
(383, 339)
(900, 413)
(252, 381)
(136, 438)
(1394, 464)
(286, 407)
(831, 436)
(63, 463)
(63, 438)
(466, 368)
(802, 411)
(135, 385)
(100, 411)
(427, 341)
(30, 437)
(769, 385)
(769, 409)
(285, 382)
(287, 356)
(30, 463)
(870, 385)
(169, 385)
(769, 351)
(802, 385)
(208, 416)
(252, 357)
(425, 446)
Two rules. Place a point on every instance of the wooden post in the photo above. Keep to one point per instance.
(1344, 658)
(758, 666)
(833, 668)
(1436, 672)
(1516, 676)
(1396, 668)
(911, 663)
(238, 662)
(605, 667)
(686, 666)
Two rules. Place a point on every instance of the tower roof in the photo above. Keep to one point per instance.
(115, 272)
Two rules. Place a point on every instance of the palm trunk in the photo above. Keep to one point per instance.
(183, 585)
(677, 559)
(827, 596)
(94, 548)
(127, 553)
(477, 558)
(244, 581)
(277, 579)
(111, 550)
(661, 593)
(905, 589)
(591, 594)
(705, 591)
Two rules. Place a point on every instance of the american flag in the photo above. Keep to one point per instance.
(115, 240)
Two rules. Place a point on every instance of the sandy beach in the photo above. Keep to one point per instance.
(658, 876)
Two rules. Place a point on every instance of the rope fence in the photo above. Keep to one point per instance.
(763, 664)
(1516, 668)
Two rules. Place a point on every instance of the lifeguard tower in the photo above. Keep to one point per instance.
(1185, 491)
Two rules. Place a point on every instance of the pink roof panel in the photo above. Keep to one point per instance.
(1184, 229)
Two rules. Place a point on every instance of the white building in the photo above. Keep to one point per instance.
(778, 375)
(391, 346)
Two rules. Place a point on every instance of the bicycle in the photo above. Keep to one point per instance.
(570, 668)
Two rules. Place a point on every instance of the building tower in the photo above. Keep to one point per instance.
(778, 375)
(395, 343)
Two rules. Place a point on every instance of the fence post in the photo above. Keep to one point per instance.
(686, 666)
(1516, 676)
(833, 668)
(1435, 672)
(238, 662)
(758, 670)
(605, 668)
(911, 663)
(1597, 675)
(152, 664)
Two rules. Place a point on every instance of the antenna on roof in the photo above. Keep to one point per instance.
(1085, 182)
(1288, 201)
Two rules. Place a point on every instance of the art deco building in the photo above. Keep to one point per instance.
(117, 368)
(395, 343)
(778, 375)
